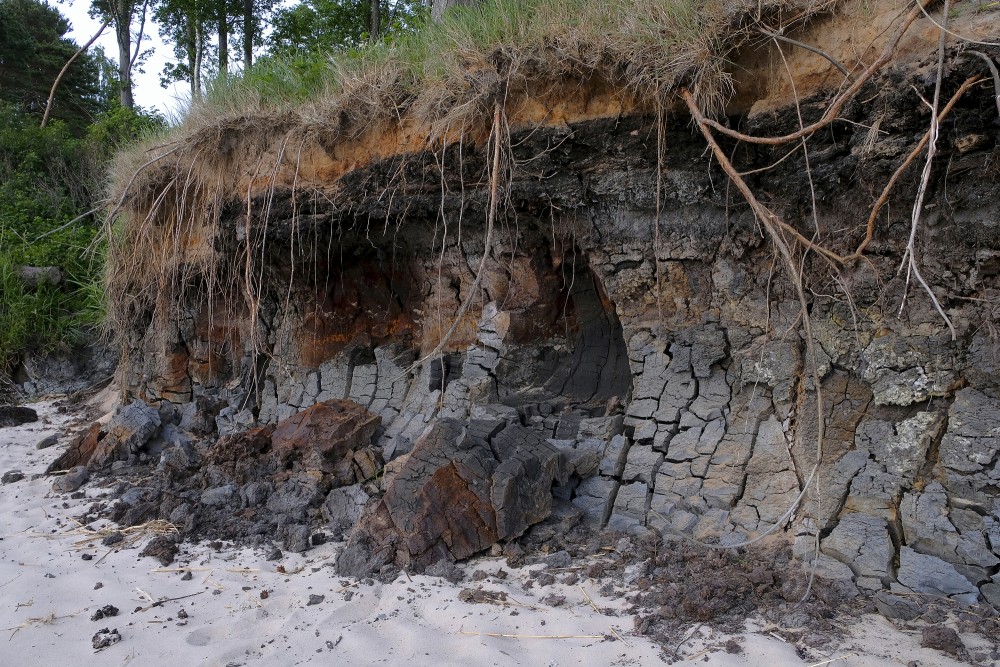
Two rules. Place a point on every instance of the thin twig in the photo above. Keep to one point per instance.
(884, 197)
(838, 103)
(994, 71)
(808, 47)
(513, 636)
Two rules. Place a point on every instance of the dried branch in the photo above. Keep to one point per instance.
(62, 72)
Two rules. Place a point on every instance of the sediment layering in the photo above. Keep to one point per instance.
(455, 336)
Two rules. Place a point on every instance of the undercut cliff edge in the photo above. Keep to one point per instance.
(349, 342)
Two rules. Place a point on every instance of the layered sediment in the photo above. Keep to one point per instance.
(633, 346)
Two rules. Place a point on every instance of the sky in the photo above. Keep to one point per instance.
(147, 90)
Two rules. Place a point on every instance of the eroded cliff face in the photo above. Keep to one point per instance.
(644, 364)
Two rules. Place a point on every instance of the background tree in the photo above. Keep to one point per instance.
(123, 15)
(328, 25)
(33, 49)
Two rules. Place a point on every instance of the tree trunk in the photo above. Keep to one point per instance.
(199, 53)
(191, 48)
(223, 30)
(248, 30)
(440, 6)
(376, 21)
(123, 32)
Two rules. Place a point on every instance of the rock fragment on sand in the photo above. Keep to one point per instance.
(11, 476)
(15, 415)
(315, 599)
(47, 442)
(106, 611)
(162, 548)
(942, 638)
(104, 638)
(71, 481)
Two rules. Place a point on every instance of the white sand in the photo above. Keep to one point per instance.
(47, 596)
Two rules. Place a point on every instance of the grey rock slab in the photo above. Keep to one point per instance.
(641, 464)
(972, 439)
(930, 575)
(614, 460)
(863, 543)
(343, 507)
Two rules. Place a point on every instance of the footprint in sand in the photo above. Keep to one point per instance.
(200, 637)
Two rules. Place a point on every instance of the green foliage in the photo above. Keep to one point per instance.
(325, 26)
(49, 179)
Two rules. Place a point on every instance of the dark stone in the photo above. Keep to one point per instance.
(129, 430)
(162, 548)
(897, 607)
(297, 539)
(559, 559)
(104, 638)
(106, 611)
(942, 638)
(71, 481)
(113, 539)
(47, 442)
(315, 599)
(14, 415)
(11, 476)
(274, 554)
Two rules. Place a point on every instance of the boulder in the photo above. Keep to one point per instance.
(15, 415)
(130, 428)
(34, 277)
(462, 489)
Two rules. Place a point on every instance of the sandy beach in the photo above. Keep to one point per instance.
(219, 604)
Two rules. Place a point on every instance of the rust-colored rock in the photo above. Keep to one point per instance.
(324, 434)
(462, 488)
(80, 450)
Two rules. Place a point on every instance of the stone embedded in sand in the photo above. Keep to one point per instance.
(72, 480)
(942, 638)
(11, 476)
(460, 491)
(13, 415)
